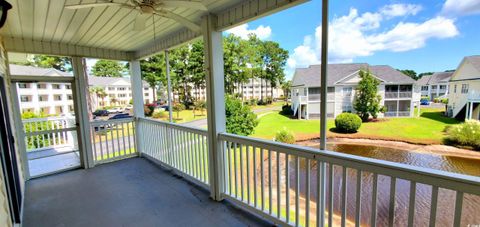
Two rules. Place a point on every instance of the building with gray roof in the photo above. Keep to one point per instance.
(398, 91)
(435, 85)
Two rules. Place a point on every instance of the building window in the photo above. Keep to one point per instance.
(111, 88)
(57, 97)
(56, 86)
(146, 94)
(464, 88)
(23, 85)
(24, 98)
(455, 88)
(424, 88)
(41, 86)
(121, 89)
(122, 95)
(70, 108)
(443, 87)
(434, 87)
(347, 108)
(347, 91)
(42, 98)
(145, 88)
(69, 97)
(68, 86)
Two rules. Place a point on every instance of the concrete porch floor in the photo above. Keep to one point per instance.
(132, 192)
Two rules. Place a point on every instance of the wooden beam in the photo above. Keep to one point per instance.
(50, 48)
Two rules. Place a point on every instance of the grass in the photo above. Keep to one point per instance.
(426, 129)
(274, 104)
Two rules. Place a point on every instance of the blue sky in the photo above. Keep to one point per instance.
(423, 35)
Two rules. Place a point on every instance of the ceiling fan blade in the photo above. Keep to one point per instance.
(182, 20)
(98, 4)
(140, 21)
(184, 4)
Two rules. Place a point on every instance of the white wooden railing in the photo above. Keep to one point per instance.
(292, 185)
(181, 148)
(113, 140)
(49, 132)
(396, 94)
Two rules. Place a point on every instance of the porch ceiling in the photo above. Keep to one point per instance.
(44, 26)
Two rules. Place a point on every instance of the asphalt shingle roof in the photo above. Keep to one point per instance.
(438, 77)
(336, 72)
(474, 60)
(23, 70)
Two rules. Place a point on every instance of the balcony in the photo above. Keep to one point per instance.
(283, 184)
(398, 95)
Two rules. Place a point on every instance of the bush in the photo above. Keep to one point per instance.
(160, 114)
(269, 100)
(285, 136)
(286, 110)
(348, 122)
(444, 101)
(177, 107)
(200, 105)
(252, 102)
(240, 119)
(148, 109)
(425, 98)
(465, 134)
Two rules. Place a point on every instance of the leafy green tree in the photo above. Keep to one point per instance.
(235, 60)
(180, 75)
(177, 107)
(154, 72)
(99, 92)
(240, 118)
(44, 61)
(286, 87)
(367, 100)
(255, 52)
(424, 74)
(410, 73)
(275, 59)
(107, 68)
(195, 66)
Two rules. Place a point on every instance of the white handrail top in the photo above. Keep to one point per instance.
(177, 126)
(30, 120)
(103, 122)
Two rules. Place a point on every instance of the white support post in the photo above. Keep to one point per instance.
(137, 95)
(470, 111)
(82, 96)
(215, 101)
(169, 88)
(323, 75)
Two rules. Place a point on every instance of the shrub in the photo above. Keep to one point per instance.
(269, 100)
(159, 114)
(200, 105)
(425, 98)
(240, 119)
(177, 107)
(444, 100)
(148, 109)
(465, 134)
(285, 136)
(348, 122)
(253, 102)
(287, 110)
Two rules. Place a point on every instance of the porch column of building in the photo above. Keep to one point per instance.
(213, 52)
(82, 96)
(169, 87)
(137, 96)
(470, 110)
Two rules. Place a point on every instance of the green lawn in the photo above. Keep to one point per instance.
(426, 129)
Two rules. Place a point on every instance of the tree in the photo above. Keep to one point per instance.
(195, 66)
(367, 100)
(240, 119)
(177, 107)
(275, 59)
(286, 87)
(424, 74)
(99, 92)
(154, 72)
(107, 68)
(60, 63)
(410, 73)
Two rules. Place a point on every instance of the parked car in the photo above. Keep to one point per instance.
(100, 113)
(115, 110)
(424, 102)
(128, 107)
(120, 116)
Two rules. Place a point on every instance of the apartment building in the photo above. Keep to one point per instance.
(435, 85)
(57, 98)
(118, 91)
(253, 89)
(398, 92)
(47, 98)
(464, 96)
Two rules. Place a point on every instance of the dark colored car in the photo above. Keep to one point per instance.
(100, 113)
(424, 102)
(120, 116)
(165, 107)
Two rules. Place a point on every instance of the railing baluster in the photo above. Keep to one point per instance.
(196, 147)
(247, 150)
(204, 157)
(307, 199)
(235, 168)
(128, 138)
(297, 191)
(229, 163)
(330, 201)
(457, 218)
(411, 206)
(391, 213)
(278, 185)
(287, 186)
(270, 208)
(344, 196)
(123, 139)
(262, 173)
(433, 206)
(254, 176)
(358, 198)
(321, 199)
(373, 218)
(241, 172)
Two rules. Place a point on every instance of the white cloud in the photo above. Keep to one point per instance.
(461, 7)
(396, 10)
(263, 32)
(359, 35)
